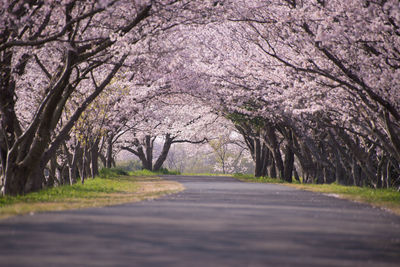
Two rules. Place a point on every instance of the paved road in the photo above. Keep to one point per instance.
(214, 222)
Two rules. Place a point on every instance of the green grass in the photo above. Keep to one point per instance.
(252, 179)
(205, 174)
(147, 173)
(112, 172)
(383, 198)
(90, 189)
(108, 189)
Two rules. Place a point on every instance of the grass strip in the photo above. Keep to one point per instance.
(388, 199)
(113, 172)
(206, 174)
(98, 192)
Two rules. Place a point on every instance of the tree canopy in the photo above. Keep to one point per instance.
(310, 85)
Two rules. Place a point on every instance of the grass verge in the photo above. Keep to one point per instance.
(206, 174)
(251, 179)
(388, 199)
(148, 173)
(101, 191)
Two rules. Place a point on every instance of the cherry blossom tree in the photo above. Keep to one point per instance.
(66, 32)
(171, 119)
(310, 85)
(53, 50)
(229, 151)
(292, 75)
(348, 47)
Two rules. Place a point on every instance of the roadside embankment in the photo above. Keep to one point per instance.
(97, 192)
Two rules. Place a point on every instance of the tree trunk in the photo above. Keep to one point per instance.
(109, 150)
(22, 178)
(257, 157)
(274, 147)
(356, 173)
(296, 175)
(103, 160)
(289, 161)
(35, 181)
(265, 160)
(380, 173)
(52, 169)
(149, 152)
(388, 174)
(141, 155)
(3, 160)
(72, 170)
(271, 167)
(83, 169)
(338, 169)
(394, 134)
(164, 153)
(94, 158)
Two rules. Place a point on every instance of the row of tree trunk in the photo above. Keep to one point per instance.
(74, 162)
(328, 156)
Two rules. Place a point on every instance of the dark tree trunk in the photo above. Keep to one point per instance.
(52, 180)
(26, 156)
(87, 161)
(356, 173)
(289, 160)
(380, 173)
(388, 174)
(325, 173)
(296, 175)
(24, 169)
(141, 155)
(73, 169)
(274, 147)
(394, 134)
(363, 157)
(103, 160)
(164, 153)
(109, 155)
(3, 160)
(94, 158)
(64, 174)
(145, 161)
(21, 177)
(265, 160)
(257, 156)
(271, 166)
(339, 171)
(35, 181)
(149, 152)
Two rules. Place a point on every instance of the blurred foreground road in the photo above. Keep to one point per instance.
(216, 221)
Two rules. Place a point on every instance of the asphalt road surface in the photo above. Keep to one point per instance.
(214, 222)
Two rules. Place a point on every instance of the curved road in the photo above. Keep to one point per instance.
(215, 222)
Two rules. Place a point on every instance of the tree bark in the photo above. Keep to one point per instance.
(149, 152)
(271, 166)
(164, 153)
(73, 167)
(274, 147)
(94, 158)
(81, 165)
(289, 160)
(265, 160)
(257, 157)
(388, 174)
(109, 150)
(23, 167)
